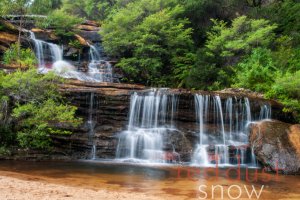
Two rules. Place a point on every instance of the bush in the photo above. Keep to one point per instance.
(241, 37)
(257, 71)
(4, 151)
(287, 90)
(152, 42)
(37, 109)
(16, 55)
(62, 23)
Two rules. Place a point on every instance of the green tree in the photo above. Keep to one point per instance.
(199, 12)
(287, 90)
(21, 57)
(44, 7)
(90, 9)
(33, 107)
(226, 45)
(241, 37)
(152, 42)
(257, 71)
(15, 7)
(62, 22)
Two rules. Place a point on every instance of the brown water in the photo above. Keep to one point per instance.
(181, 182)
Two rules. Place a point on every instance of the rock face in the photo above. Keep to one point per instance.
(8, 35)
(109, 111)
(277, 145)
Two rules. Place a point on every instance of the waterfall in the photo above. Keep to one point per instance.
(228, 139)
(91, 127)
(46, 53)
(150, 118)
(50, 57)
(99, 69)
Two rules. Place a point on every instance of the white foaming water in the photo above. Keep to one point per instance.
(228, 141)
(150, 118)
(99, 69)
(46, 52)
(50, 57)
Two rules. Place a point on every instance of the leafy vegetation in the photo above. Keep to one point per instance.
(19, 56)
(62, 22)
(195, 44)
(32, 109)
(151, 40)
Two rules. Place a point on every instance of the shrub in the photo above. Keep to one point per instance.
(257, 71)
(16, 55)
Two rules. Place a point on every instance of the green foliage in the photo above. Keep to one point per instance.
(243, 35)
(287, 89)
(257, 71)
(286, 56)
(226, 45)
(91, 9)
(16, 55)
(284, 13)
(199, 12)
(37, 122)
(43, 7)
(36, 108)
(76, 44)
(4, 151)
(62, 22)
(16, 7)
(151, 41)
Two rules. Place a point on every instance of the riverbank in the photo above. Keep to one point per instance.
(15, 186)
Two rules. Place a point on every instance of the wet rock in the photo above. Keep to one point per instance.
(110, 115)
(92, 36)
(277, 145)
(71, 51)
(46, 35)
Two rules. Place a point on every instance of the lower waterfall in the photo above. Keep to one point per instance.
(227, 143)
(150, 118)
(220, 137)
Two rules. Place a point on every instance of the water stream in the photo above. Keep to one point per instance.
(150, 118)
(50, 58)
(227, 142)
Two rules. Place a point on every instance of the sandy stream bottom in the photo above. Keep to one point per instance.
(42, 185)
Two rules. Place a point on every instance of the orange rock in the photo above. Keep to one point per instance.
(37, 30)
(277, 144)
(8, 37)
(294, 137)
(81, 40)
(88, 28)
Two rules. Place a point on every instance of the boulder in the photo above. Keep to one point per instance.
(277, 145)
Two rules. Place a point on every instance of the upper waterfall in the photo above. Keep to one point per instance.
(50, 57)
(99, 69)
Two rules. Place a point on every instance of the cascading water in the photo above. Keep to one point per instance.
(50, 57)
(91, 127)
(150, 118)
(99, 69)
(46, 53)
(223, 136)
